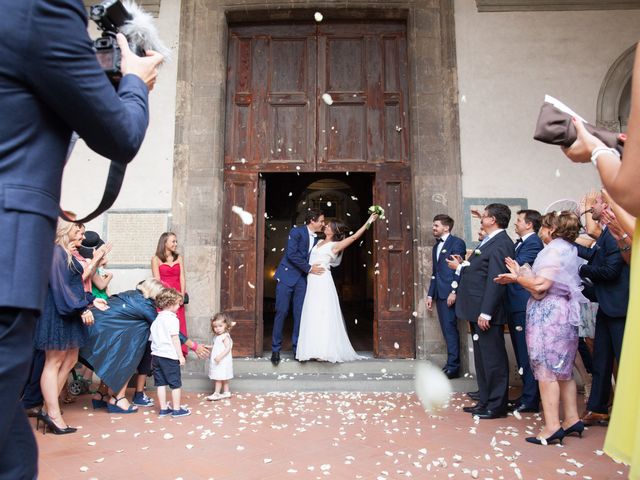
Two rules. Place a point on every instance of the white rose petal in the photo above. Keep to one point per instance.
(84, 469)
(245, 217)
(326, 98)
(475, 337)
(318, 16)
(396, 345)
(167, 436)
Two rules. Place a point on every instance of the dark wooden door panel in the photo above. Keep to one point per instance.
(394, 330)
(271, 103)
(363, 68)
(239, 266)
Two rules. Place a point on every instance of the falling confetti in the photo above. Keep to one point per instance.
(326, 98)
(246, 217)
(318, 16)
(432, 386)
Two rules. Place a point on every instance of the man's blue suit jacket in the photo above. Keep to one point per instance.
(517, 296)
(295, 262)
(51, 85)
(442, 276)
(609, 273)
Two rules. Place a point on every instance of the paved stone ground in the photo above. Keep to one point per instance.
(314, 436)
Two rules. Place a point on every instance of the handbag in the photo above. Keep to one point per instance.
(185, 298)
(555, 127)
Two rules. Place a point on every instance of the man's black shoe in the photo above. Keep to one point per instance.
(275, 358)
(474, 395)
(474, 408)
(490, 414)
(525, 409)
(514, 403)
(452, 374)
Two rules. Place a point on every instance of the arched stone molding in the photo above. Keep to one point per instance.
(614, 96)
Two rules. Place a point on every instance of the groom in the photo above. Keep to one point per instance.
(291, 276)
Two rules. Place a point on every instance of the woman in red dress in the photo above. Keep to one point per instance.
(167, 266)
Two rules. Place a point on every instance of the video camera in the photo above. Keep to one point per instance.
(110, 16)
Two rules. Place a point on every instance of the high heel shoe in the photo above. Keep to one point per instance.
(114, 408)
(99, 403)
(577, 427)
(558, 435)
(49, 423)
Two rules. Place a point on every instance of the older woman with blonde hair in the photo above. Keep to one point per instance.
(553, 316)
(118, 345)
(62, 327)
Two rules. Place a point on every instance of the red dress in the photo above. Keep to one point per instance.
(170, 278)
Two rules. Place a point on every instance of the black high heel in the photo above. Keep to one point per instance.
(577, 427)
(49, 423)
(557, 435)
(102, 403)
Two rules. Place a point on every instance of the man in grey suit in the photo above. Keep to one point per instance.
(481, 302)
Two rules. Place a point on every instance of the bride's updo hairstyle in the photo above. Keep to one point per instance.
(565, 225)
(339, 230)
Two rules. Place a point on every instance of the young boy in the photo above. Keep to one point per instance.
(166, 354)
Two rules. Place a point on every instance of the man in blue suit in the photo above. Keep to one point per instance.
(443, 286)
(291, 276)
(50, 85)
(609, 274)
(527, 248)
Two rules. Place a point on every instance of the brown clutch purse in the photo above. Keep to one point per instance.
(556, 128)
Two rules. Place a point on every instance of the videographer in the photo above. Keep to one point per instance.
(50, 85)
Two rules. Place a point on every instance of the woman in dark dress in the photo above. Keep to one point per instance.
(61, 330)
(117, 343)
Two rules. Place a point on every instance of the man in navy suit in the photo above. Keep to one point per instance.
(609, 274)
(291, 276)
(50, 85)
(527, 248)
(443, 286)
(481, 302)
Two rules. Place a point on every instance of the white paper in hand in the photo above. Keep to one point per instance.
(432, 386)
(562, 107)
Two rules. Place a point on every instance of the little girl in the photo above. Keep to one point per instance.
(221, 364)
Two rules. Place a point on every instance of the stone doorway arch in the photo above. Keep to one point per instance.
(614, 99)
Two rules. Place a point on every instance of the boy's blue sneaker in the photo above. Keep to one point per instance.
(167, 411)
(140, 399)
(182, 412)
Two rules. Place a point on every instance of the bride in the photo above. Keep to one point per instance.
(323, 335)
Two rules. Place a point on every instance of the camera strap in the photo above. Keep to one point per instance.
(111, 189)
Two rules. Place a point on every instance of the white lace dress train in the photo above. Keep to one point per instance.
(323, 335)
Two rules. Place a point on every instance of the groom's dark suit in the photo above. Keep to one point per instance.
(291, 276)
(477, 294)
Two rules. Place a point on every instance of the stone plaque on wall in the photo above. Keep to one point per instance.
(472, 224)
(134, 235)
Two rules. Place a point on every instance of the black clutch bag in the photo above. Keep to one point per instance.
(185, 299)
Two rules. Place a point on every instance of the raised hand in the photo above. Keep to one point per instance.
(580, 150)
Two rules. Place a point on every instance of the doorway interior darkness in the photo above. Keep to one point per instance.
(341, 196)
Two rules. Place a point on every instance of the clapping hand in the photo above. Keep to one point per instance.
(454, 261)
(610, 220)
(512, 276)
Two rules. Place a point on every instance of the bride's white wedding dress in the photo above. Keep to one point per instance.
(323, 335)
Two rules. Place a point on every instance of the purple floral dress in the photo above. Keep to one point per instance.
(552, 322)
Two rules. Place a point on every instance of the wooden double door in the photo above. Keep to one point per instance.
(326, 97)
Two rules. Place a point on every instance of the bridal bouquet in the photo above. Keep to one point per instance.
(378, 210)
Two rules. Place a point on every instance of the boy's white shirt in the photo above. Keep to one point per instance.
(163, 328)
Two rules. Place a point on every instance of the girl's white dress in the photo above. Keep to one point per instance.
(224, 369)
(323, 335)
